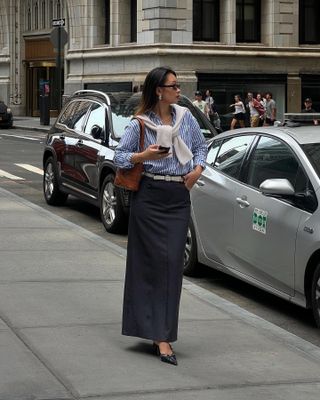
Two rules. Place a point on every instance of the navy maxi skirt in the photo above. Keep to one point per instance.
(158, 225)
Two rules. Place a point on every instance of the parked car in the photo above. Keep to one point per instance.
(6, 118)
(79, 149)
(255, 211)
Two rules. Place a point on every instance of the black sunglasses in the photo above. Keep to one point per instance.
(175, 86)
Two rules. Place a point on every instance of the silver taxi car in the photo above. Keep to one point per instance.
(255, 211)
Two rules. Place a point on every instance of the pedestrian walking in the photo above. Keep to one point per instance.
(239, 112)
(160, 210)
(256, 110)
(201, 104)
(271, 110)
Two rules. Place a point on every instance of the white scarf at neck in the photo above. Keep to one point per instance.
(169, 136)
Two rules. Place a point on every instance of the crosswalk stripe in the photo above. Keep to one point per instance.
(4, 174)
(20, 137)
(31, 168)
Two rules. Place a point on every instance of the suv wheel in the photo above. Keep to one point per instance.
(112, 214)
(190, 252)
(52, 193)
(315, 295)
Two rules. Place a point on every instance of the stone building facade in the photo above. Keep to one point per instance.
(230, 46)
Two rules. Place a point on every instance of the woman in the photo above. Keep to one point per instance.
(160, 210)
(239, 112)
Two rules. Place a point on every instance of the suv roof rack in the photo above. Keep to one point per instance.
(94, 93)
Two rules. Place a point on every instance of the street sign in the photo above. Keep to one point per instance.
(54, 37)
(58, 22)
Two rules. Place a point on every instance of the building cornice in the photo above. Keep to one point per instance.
(194, 50)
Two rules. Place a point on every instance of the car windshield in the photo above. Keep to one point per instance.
(124, 106)
(312, 150)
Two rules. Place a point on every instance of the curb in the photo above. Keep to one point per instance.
(32, 128)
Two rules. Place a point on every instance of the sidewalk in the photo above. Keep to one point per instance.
(31, 123)
(60, 320)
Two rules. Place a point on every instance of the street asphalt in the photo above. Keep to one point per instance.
(60, 321)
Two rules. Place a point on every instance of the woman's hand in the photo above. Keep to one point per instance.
(150, 153)
(191, 178)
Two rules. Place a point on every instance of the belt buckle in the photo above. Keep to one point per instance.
(167, 178)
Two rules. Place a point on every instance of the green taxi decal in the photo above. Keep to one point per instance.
(259, 220)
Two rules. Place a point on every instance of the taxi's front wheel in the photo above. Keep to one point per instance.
(315, 295)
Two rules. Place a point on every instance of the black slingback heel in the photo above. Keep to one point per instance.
(167, 358)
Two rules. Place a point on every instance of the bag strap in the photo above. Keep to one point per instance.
(142, 128)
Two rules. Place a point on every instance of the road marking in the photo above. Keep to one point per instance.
(31, 168)
(19, 137)
(4, 174)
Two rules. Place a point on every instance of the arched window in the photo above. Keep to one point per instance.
(206, 20)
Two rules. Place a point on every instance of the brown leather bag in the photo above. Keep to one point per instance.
(129, 179)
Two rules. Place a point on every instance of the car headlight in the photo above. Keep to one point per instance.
(9, 110)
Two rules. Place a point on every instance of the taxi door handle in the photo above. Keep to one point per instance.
(242, 201)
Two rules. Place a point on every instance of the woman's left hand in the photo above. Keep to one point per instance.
(191, 178)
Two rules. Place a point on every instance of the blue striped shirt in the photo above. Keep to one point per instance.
(190, 133)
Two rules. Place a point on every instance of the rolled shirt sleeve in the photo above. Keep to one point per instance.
(128, 145)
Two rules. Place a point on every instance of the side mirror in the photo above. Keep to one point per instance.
(97, 132)
(276, 187)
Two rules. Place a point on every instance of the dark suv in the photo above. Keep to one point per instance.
(6, 118)
(79, 149)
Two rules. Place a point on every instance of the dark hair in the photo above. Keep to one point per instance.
(155, 78)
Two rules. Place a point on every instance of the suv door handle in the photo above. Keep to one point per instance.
(79, 143)
(242, 201)
(200, 182)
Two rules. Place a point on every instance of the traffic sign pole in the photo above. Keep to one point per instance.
(58, 42)
(59, 68)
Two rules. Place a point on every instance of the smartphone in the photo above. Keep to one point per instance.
(164, 149)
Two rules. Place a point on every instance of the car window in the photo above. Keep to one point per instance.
(213, 151)
(74, 114)
(272, 159)
(232, 153)
(97, 117)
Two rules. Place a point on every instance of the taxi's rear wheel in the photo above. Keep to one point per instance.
(112, 214)
(315, 295)
(51, 191)
(190, 253)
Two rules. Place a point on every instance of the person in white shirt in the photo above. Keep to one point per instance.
(201, 104)
(239, 112)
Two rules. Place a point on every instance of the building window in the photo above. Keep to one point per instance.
(36, 17)
(43, 14)
(50, 12)
(107, 22)
(206, 20)
(309, 14)
(248, 20)
(29, 19)
(58, 9)
(133, 13)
